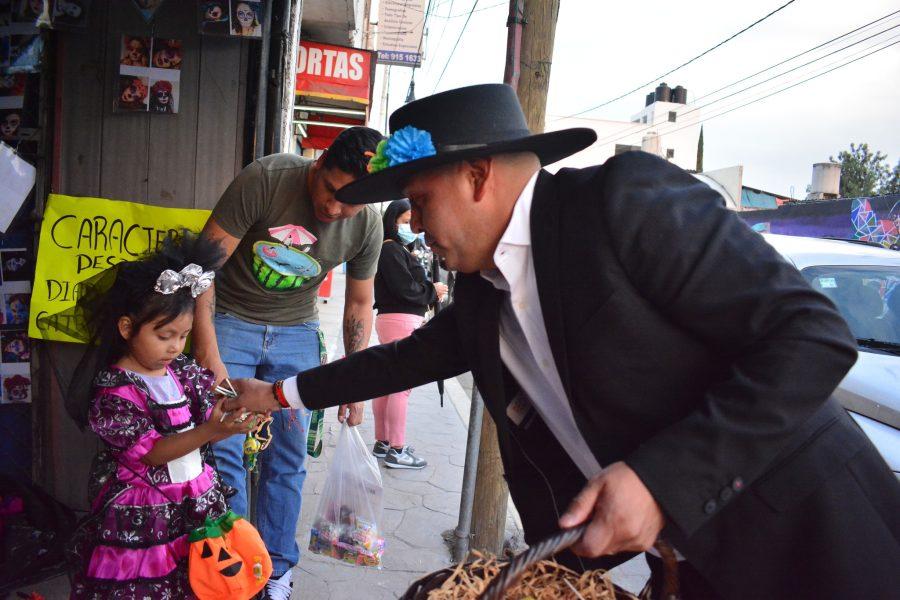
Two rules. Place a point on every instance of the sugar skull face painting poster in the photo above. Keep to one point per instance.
(236, 18)
(16, 383)
(149, 75)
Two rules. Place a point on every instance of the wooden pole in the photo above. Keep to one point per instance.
(537, 56)
(529, 53)
(491, 493)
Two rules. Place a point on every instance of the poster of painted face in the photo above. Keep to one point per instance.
(16, 383)
(237, 18)
(133, 94)
(149, 75)
(17, 308)
(18, 118)
(135, 51)
(15, 347)
(10, 125)
(69, 13)
(15, 265)
(166, 54)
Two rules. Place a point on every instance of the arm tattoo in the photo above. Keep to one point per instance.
(212, 309)
(353, 334)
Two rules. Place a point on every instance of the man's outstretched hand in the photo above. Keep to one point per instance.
(253, 395)
(256, 396)
(621, 513)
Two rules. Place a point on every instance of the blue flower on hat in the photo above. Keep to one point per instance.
(408, 144)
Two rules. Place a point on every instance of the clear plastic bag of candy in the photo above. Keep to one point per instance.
(347, 523)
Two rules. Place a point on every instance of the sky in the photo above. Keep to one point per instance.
(603, 49)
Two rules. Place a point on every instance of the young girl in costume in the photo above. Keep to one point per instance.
(153, 408)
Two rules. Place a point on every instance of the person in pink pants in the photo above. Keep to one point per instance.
(402, 295)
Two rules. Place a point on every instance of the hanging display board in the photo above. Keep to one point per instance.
(236, 18)
(81, 237)
(149, 75)
(401, 24)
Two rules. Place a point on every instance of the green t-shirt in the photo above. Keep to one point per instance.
(285, 252)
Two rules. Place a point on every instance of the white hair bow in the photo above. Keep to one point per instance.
(192, 276)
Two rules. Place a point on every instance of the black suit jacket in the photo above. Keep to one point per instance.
(689, 349)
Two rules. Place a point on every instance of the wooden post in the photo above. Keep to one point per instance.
(529, 54)
(537, 57)
(491, 493)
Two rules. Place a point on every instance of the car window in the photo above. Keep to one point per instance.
(868, 298)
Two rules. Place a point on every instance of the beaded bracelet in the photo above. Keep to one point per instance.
(278, 393)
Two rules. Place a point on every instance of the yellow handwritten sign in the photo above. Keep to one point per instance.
(81, 237)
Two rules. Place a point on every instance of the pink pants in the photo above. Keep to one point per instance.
(390, 411)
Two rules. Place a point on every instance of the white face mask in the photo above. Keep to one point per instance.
(404, 232)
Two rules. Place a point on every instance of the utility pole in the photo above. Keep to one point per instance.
(529, 52)
(537, 55)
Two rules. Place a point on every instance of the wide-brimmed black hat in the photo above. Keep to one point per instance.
(469, 122)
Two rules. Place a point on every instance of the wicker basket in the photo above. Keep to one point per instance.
(514, 569)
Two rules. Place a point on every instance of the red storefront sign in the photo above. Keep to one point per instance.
(335, 72)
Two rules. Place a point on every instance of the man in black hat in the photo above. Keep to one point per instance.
(651, 363)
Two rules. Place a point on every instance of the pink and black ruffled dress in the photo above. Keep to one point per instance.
(135, 546)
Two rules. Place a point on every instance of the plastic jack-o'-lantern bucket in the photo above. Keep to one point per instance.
(227, 559)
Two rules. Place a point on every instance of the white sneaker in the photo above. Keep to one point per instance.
(404, 458)
(279, 589)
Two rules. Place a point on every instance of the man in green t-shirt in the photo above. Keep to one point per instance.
(282, 231)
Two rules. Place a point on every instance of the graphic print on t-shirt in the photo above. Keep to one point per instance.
(284, 265)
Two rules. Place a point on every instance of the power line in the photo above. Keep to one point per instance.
(684, 64)
(440, 39)
(479, 10)
(776, 92)
(696, 108)
(787, 60)
(462, 31)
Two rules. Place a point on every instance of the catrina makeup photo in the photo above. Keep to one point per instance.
(164, 97)
(246, 18)
(135, 51)
(166, 54)
(133, 94)
(70, 13)
(15, 347)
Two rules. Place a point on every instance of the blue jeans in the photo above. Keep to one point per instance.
(269, 353)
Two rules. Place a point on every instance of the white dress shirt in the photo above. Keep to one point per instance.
(524, 345)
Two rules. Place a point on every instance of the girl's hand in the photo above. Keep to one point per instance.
(441, 290)
(223, 424)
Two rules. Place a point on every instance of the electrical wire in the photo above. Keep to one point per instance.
(783, 73)
(813, 49)
(682, 65)
(441, 39)
(769, 95)
(449, 58)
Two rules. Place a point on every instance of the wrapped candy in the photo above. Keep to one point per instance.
(352, 540)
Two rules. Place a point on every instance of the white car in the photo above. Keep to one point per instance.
(863, 281)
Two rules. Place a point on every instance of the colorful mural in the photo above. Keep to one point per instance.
(871, 219)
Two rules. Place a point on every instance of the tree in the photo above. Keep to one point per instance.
(891, 183)
(862, 172)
